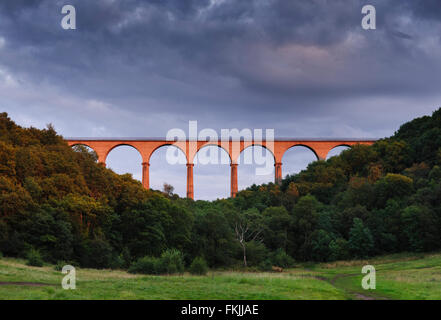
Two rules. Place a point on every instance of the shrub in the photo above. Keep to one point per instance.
(99, 254)
(172, 261)
(199, 266)
(34, 258)
(125, 255)
(256, 253)
(266, 265)
(117, 262)
(361, 241)
(1, 255)
(146, 265)
(281, 259)
(60, 264)
(339, 249)
(320, 245)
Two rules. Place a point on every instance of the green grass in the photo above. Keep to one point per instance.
(398, 277)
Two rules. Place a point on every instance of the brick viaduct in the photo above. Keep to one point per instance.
(278, 147)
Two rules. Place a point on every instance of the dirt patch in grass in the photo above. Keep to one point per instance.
(358, 295)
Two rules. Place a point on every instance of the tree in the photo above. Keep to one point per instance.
(248, 227)
(361, 242)
(276, 222)
(168, 189)
(344, 219)
(304, 221)
(392, 186)
(212, 237)
(339, 249)
(320, 241)
(421, 227)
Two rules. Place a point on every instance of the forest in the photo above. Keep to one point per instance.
(59, 205)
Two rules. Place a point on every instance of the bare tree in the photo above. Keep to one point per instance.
(168, 189)
(248, 227)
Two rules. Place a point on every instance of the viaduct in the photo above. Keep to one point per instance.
(147, 146)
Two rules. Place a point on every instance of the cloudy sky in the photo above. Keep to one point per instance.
(135, 68)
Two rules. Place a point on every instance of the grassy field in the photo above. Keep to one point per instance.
(398, 277)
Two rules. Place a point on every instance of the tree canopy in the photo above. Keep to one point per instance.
(369, 200)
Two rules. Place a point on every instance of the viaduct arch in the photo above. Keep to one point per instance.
(146, 147)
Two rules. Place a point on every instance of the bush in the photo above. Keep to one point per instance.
(172, 261)
(1, 255)
(339, 249)
(266, 265)
(99, 254)
(117, 262)
(256, 253)
(360, 241)
(146, 265)
(60, 264)
(125, 255)
(199, 266)
(320, 245)
(34, 258)
(281, 259)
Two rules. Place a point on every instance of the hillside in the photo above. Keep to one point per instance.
(369, 200)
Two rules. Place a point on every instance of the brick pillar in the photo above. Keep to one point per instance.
(190, 193)
(101, 158)
(145, 175)
(233, 176)
(278, 172)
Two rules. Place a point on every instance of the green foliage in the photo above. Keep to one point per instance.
(256, 253)
(305, 220)
(435, 174)
(339, 249)
(320, 245)
(266, 265)
(170, 262)
(198, 266)
(361, 242)
(392, 186)
(276, 225)
(33, 258)
(213, 238)
(421, 228)
(146, 265)
(60, 264)
(281, 259)
(98, 254)
(368, 200)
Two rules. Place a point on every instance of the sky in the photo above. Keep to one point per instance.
(135, 68)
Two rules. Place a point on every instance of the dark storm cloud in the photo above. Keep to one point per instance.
(205, 58)
(428, 9)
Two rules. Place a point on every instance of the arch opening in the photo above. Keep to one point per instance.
(255, 166)
(337, 150)
(168, 166)
(211, 173)
(296, 159)
(124, 159)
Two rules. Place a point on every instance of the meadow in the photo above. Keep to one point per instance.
(399, 276)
